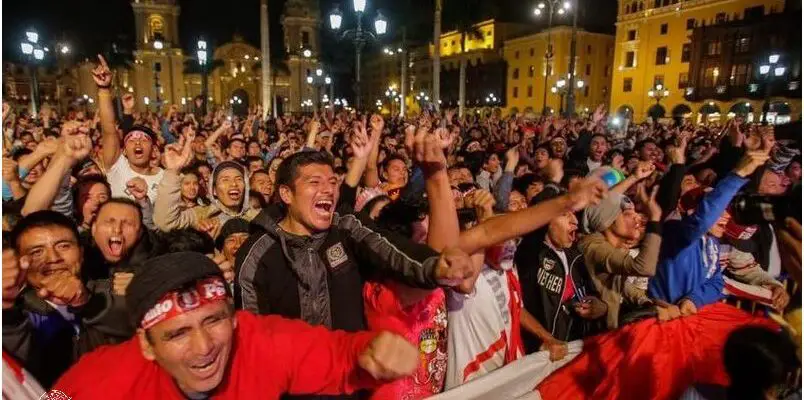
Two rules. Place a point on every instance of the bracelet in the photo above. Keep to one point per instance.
(104, 86)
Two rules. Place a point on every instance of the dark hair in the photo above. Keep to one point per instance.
(392, 157)
(288, 169)
(189, 170)
(187, 239)
(756, 360)
(253, 194)
(372, 203)
(398, 216)
(641, 145)
(522, 183)
(41, 219)
(21, 152)
(459, 165)
(260, 171)
(598, 135)
(569, 174)
(609, 157)
(123, 201)
(250, 159)
(236, 139)
(86, 182)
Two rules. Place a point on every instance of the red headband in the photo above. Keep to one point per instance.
(136, 134)
(177, 302)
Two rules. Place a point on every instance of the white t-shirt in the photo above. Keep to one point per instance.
(120, 173)
(481, 325)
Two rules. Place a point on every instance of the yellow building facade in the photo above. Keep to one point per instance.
(652, 45)
(528, 73)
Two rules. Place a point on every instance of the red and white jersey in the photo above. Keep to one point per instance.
(484, 326)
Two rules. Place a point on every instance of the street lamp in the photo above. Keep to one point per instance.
(564, 87)
(359, 36)
(202, 62)
(658, 92)
(768, 77)
(318, 79)
(550, 7)
(33, 53)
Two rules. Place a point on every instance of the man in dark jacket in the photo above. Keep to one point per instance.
(556, 287)
(50, 316)
(303, 260)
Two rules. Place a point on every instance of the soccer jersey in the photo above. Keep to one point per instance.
(484, 326)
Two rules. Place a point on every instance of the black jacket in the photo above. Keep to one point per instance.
(349, 253)
(542, 277)
(47, 344)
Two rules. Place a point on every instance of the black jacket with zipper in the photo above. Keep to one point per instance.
(542, 278)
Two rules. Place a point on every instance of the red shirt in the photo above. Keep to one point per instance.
(270, 356)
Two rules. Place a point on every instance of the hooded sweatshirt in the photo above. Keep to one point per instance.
(168, 214)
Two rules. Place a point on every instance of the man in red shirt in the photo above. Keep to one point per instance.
(192, 344)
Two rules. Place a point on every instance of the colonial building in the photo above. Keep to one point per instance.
(653, 45)
(724, 74)
(530, 77)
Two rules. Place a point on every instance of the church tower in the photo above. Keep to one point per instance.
(301, 20)
(158, 74)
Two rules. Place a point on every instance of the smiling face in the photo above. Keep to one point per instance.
(230, 188)
(116, 230)
(492, 163)
(558, 147)
(138, 149)
(254, 149)
(52, 250)
(648, 152)
(561, 231)
(189, 187)
(236, 149)
(516, 201)
(193, 347)
(772, 183)
(312, 198)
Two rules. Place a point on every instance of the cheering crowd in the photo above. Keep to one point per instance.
(349, 255)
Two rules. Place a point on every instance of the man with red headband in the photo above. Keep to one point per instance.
(192, 344)
(138, 144)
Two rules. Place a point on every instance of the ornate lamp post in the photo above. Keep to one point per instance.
(33, 53)
(201, 53)
(562, 88)
(549, 7)
(359, 36)
(769, 72)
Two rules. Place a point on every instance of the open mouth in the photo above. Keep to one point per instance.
(206, 367)
(116, 246)
(323, 207)
(48, 271)
(571, 235)
(139, 151)
(234, 194)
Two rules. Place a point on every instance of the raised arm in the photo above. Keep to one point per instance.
(166, 213)
(429, 154)
(498, 229)
(110, 141)
(372, 178)
(74, 149)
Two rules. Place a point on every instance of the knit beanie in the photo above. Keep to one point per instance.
(598, 218)
(232, 226)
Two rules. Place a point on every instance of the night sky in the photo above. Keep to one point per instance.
(89, 26)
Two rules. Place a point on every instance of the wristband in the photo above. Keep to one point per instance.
(104, 86)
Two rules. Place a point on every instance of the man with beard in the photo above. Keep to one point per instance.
(190, 343)
(556, 287)
(134, 159)
(50, 316)
(689, 274)
(228, 188)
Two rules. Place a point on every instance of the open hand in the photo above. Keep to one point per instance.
(178, 155)
(138, 188)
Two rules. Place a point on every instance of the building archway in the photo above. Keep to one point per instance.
(626, 111)
(741, 108)
(779, 112)
(681, 111)
(709, 112)
(239, 102)
(656, 111)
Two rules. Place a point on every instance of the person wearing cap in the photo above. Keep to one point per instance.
(613, 225)
(229, 190)
(689, 274)
(190, 343)
(131, 161)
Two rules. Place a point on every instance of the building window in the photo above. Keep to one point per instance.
(488, 33)
(683, 80)
(742, 45)
(661, 56)
(691, 24)
(685, 52)
(710, 77)
(627, 84)
(663, 29)
(531, 71)
(658, 80)
(516, 54)
(516, 92)
(588, 49)
(632, 34)
(305, 39)
(606, 71)
(630, 59)
(532, 51)
(713, 48)
(588, 69)
(586, 91)
(530, 90)
(739, 74)
(515, 74)
(720, 18)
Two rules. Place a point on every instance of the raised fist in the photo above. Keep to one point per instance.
(389, 356)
